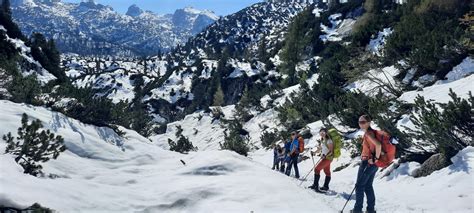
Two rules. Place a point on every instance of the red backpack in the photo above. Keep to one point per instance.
(301, 144)
(388, 149)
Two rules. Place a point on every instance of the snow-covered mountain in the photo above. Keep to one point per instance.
(89, 28)
(172, 81)
(109, 168)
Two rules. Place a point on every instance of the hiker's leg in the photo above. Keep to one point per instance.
(369, 189)
(288, 167)
(275, 163)
(318, 168)
(360, 186)
(327, 172)
(327, 168)
(295, 163)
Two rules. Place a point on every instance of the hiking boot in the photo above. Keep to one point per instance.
(319, 190)
(326, 183)
(315, 185)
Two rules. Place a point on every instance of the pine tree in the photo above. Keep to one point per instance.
(13, 31)
(218, 96)
(24, 89)
(32, 147)
(269, 137)
(47, 55)
(449, 130)
(299, 46)
(242, 112)
(183, 145)
(233, 139)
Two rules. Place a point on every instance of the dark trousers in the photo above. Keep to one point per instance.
(294, 163)
(365, 179)
(276, 163)
(282, 165)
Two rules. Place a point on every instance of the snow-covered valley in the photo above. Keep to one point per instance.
(193, 129)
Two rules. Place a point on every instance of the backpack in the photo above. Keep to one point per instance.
(301, 144)
(388, 148)
(337, 142)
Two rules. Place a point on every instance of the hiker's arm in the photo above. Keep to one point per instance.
(378, 145)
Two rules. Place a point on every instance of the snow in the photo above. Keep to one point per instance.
(100, 168)
(398, 192)
(424, 80)
(102, 172)
(381, 76)
(180, 84)
(289, 91)
(439, 92)
(465, 68)
(338, 29)
(243, 67)
(376, 45)
(208, 13)
(42, 75)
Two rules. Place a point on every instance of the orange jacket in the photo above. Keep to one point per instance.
(368, 145)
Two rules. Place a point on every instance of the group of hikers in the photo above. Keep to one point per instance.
(377, 151)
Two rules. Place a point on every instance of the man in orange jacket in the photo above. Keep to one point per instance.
(371, 150)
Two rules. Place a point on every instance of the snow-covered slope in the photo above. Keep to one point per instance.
(28, 65)
(102, 172)
(93, 29)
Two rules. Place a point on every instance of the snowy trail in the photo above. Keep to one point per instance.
(398, 192)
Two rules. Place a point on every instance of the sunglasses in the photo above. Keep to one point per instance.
(363, 122)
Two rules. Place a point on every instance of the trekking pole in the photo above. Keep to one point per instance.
(309, 172)
(347, 201)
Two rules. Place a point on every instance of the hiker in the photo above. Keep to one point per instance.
(371, 150)
(327, 150)
(300, 147)
(293, 155)
(287, 151)
(276, 162)
(281, 158)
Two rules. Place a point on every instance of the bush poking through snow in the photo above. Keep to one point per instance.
(449, 130)
(234, 139)
(269, 137)
(355, 147)
(183, 145)
(217, 114)
(34, 208)
(32, 147)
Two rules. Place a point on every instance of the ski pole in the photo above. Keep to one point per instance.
(347, 201)
(312, 158)
(310, 172)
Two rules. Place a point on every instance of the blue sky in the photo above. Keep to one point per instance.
(220, 7)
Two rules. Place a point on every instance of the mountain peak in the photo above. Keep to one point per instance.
(134, 11)
(194, 11)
